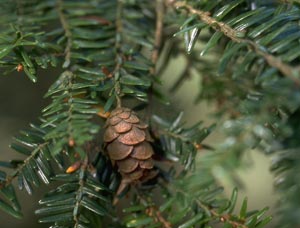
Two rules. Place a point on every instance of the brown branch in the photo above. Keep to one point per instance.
(83, 169)
(68, 33)
(160, 8)
(221, 217)
(119, 57)
(273, 61)
(153, 211)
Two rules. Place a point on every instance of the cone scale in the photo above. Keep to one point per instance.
(127, 142)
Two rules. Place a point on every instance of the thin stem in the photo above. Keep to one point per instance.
(273, 61)
(68, 33)
(70, 76)
(209, 211)
(79, 194)
(15, 174)
(195, 144)
(153, 211)
(119, 57)
(160, 10)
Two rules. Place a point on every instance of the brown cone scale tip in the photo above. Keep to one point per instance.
(128, 145)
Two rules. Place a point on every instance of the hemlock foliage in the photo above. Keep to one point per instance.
(107, 52)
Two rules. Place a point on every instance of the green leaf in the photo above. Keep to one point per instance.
(259, 30)
(65, 217)
(53, 199)
(20, 149)
(8, 209)
(212, 42)
(139, 221)
(168, 204)
(283, 44)
(91, 34)
(96, 194)
(192, 222)
(30, 72)
(251, 222)
(176, 121)
(264, 222)
(90, 44)
(222, 12)
(26, 184)
(5, 51)
(189, 28)
(55, 209)
(134, 92)
(262, 212)
(133, 80)
(228, 55)
(177, 217)
(93, 206)
(66, 177)
(134, 209)
(265, 40)
(104, 86)
(188, 20)
(26, 59)
(136, 66)
(109, 103)
(11, 164)
(243, 210)
(193, 39)
(75, 22)
(96, 185)
(257, 18)
(233, 201)
(9, 192)
(90, 70)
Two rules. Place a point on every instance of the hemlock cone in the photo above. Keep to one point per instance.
(128, 145)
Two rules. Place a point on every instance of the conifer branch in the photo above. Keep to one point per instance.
(287, 70)
(195, 144)
(68, 33)
(80, 191)
(16, 172)
(69, 75)
(153, 211)
(119, 56)
(125, 39)
(160, 8)
(213, 213)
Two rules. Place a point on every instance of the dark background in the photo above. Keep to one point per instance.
(21, 102)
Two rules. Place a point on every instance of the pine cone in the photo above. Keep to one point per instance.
(127, 143)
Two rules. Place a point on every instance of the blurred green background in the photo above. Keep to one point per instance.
(21, 102)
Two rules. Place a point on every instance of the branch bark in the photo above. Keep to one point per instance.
(286, 70)
(68, 33)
